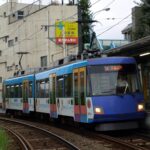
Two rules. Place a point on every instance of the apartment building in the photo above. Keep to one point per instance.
(36, 35)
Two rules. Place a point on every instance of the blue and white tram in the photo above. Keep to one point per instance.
(86, 91)
(19, 94)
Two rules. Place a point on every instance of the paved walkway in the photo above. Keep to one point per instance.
(147, 120)
(2, 111)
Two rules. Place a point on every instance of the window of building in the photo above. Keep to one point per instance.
(6, 39)
(4, 14)
(10, 43)
(20, 14)
(16, 39)
(0, 79)
(0, 53)
(44, 61)
(9, 68)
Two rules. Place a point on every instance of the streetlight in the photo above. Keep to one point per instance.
(93, 33)
(95, 13)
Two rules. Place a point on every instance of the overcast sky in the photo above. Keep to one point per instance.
(119, 9)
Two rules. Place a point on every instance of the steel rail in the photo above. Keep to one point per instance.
(62, 140)
(25, 145)
(119, 141)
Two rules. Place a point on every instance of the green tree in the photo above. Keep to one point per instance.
(145, 19)
(146, 11)
(84, 20)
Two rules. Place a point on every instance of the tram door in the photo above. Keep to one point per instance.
(80, 94)
(53, 108)
(25, 94)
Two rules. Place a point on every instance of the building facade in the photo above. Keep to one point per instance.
(28, 35)
(137, 29)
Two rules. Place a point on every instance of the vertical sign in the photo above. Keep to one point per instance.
(70, 29)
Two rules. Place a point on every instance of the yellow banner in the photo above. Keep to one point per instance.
(70, 31)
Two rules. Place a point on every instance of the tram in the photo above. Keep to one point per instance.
(103, 92)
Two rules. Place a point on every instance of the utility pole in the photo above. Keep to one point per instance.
(64, 41)
(48, 28)
(12, 4)
(80, 41)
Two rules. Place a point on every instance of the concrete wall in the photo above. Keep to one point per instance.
(29, 36)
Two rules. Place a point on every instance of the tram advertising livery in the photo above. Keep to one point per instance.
(103, 92)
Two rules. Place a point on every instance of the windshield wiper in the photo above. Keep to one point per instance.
(126, 86)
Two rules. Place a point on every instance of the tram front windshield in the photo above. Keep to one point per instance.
(114, 79)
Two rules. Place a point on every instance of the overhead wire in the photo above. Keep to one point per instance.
(114, 25)
(67, 18)
(109, 4)
(95, 2)
(36, 32)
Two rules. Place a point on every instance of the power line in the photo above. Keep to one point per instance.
(109, 4)
(106, 7)
(36, 32)
(114, 25)
(14, 31)
(95, 2)
(104, 28)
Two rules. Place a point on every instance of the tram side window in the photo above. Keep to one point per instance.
(16, 91)
(42, 89)
(60, 86)
(20, 90)
(132, 80)
(68, 85)
(30, 90)
(12, 92)
(52, 89)
(76, 88)
(82, 88)
(47, 88)
(8, 91)
(38, 89)
(88, 86)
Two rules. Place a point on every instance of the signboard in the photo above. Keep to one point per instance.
(66, 30)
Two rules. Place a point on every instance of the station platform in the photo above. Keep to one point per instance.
(146, 124)
(2, 111)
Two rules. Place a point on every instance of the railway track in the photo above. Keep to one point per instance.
(134, 142)
(129, 141)
(119, 141)
(23, 143)
(31, 137)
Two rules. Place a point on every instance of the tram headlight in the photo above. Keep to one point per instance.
(99, 110)
(140, 107)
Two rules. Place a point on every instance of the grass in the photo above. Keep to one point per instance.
(4, 140)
